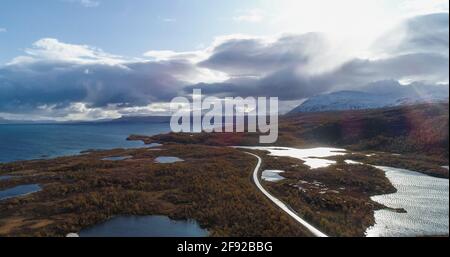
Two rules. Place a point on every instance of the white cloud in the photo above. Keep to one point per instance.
(194, 57)
(165, 55)
(169, 20)
(70, 81)
(3, 30)
(419, 7)
(51, 49)
(85, 3)
(253, 16)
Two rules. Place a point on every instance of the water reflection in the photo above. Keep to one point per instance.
(425, 199)
(311, 156)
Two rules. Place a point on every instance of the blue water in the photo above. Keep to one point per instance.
(117, 158)
(144, 226)
(167, 159)
(19, 191)
(6, 177)
(38, 141)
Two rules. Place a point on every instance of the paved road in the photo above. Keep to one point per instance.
(280, 204)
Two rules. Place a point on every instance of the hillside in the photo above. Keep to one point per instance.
(380, 94)
(412, 137)
(421, 129)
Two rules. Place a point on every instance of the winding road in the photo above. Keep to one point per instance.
(280, 204)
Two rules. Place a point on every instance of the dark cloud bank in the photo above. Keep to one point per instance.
(255, 67)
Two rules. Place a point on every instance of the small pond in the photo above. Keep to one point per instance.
(167, 159)
(272, 175)
(6, 177)
(144, 226)
(117, 158)
(19, 191)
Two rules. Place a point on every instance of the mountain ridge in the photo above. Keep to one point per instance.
(373, 96)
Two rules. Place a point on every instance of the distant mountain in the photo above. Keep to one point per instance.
(6, 121)
(125, 119)
(376, 95)
(137, 119)
(420, 129)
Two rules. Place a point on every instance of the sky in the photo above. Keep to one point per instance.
(94, 59)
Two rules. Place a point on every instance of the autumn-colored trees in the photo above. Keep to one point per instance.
(211, 186)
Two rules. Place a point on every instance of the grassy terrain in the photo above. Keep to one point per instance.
(335, 199)
(212, 186)
(417, 129)
(418, 133)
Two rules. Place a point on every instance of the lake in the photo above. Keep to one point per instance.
(425, 199)
(312, 157)
(272, 175)
(144, 226)
(117, 158)
(168, 159)
(6, 177)
(39, 141)
(19, 191)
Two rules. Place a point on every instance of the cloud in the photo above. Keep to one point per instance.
(54, 75)
(285, 67)
(169, 20)
(425, 33)
(253, 16)
(71, 81)
(51, 49)
(260, 56)
(85, 3)
(165, 55)
(2, 30)
(291, 84)
(420, 7)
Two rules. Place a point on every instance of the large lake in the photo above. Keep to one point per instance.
(424, 198)
(37, 141)
(144, 226)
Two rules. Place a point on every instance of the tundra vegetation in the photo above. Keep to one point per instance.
(213, 185)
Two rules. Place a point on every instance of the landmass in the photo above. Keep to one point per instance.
(213, 184)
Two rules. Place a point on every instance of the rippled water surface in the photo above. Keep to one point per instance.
(426, 200)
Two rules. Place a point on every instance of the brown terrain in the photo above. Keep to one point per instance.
(213, 185)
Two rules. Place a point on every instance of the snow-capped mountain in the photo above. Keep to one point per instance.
(376, 95)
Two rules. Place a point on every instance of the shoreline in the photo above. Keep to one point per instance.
(124, 152)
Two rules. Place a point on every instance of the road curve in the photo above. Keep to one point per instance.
(280, 204)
